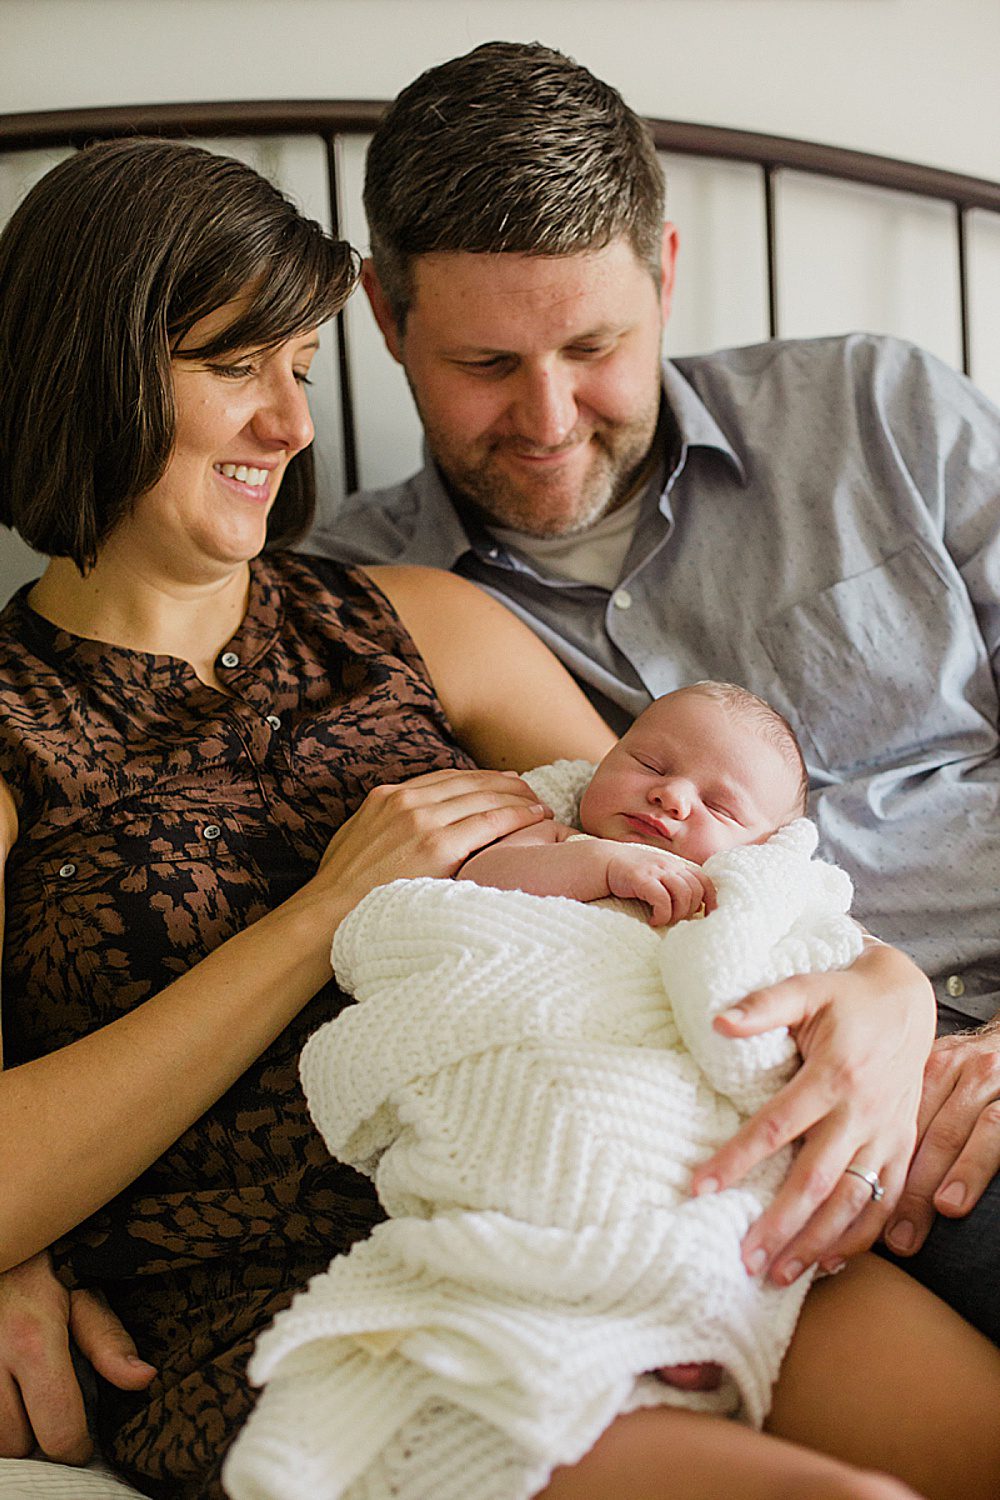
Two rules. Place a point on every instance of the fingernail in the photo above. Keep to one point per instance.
(705, 1186)
(953, 1195)
(832, 1267)
(755, 1262)
(734, 1013)
(901, 1236)
(791, 1272)
(142, 1364)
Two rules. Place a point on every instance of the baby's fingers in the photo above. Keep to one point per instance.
(678, 895)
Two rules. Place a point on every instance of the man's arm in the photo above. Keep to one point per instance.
(959, 1124)
(40, 1398)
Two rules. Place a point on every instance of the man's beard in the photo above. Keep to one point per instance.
(483, 487)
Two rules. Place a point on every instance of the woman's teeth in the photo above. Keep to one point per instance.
(244, 474)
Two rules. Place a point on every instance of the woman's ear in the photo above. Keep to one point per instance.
(384, 315)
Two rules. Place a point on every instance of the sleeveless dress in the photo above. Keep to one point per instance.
(158, 817)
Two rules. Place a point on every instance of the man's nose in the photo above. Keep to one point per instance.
(283, 419)
(545, 409)
(675, 797)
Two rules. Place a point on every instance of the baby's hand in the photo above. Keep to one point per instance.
(673, 888)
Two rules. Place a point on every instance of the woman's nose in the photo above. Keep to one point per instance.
(283, 420)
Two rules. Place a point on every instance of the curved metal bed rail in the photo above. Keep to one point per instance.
(331, 119)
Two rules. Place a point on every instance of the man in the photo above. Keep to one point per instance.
(815, 521)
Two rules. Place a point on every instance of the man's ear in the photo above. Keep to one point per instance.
(379, 302)
(668, 265)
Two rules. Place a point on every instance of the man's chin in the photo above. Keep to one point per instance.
(537, 510)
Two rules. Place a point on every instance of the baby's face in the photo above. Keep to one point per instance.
(692, 777)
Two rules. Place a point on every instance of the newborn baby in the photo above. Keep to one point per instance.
(706, 768)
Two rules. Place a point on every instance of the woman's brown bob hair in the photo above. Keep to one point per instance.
(104, 269)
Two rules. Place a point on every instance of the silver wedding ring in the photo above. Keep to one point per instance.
(872, 1179)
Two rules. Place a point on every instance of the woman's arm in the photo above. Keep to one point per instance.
(78, 1125)
(509, 701)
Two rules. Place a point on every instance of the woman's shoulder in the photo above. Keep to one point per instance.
(328, 604)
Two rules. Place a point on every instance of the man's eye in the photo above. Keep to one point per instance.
(494, 366)
(589, 351)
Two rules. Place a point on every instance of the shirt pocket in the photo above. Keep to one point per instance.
(877, 665)
(116, 907)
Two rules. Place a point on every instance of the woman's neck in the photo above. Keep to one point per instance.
(138, 610)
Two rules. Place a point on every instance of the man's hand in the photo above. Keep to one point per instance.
(40, 1398)
(959, 1134)
(864, 1035)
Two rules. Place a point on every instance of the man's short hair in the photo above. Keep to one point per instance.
(512, 148)
(105, 268)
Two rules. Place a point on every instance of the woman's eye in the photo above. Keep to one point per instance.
(232, 372)
(302, 377)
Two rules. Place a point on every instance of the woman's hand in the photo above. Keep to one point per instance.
(427, 826)
(864, 1034)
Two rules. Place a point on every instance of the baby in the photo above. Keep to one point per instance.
(704, 769)
(530, 1084)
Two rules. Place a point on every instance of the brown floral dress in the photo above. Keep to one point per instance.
(157, 818)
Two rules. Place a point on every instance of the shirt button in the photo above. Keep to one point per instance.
(66, 871)
(211, 831)
(621, 599)
(272, 721)
(229, 659)
(955, 985)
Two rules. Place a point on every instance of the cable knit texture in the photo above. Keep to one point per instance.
(530, 1081)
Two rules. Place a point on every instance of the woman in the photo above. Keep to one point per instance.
(200, 756)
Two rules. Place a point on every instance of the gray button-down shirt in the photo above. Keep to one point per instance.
(823, 528)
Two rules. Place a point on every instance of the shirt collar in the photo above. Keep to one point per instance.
(694, 425)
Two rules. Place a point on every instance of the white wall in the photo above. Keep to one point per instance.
(913, 78)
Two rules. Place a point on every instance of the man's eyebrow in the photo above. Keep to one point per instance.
(601, 331)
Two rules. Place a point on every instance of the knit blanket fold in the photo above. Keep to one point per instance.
(530, 1081)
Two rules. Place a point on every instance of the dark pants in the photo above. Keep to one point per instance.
(960, 1258)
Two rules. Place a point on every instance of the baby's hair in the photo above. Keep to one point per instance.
(772, 727)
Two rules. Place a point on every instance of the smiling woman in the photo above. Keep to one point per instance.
(175, 280)
(202, 745)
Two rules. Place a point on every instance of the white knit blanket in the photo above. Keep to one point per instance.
(530, 1081)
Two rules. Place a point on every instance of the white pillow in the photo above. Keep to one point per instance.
(36, 1479)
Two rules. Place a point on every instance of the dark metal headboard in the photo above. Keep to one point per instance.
(331, 120)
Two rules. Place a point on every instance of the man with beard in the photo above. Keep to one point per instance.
(814, 519)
